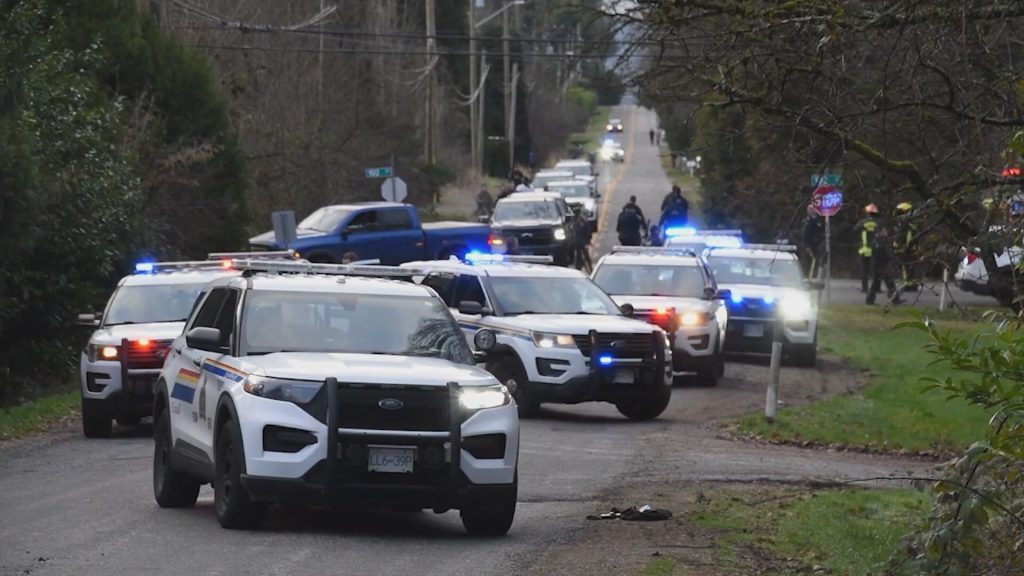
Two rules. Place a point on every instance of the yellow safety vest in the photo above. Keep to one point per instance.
(867, 229)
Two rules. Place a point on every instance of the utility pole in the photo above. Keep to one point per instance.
(512, 119)
(430, 141)
(481, 137)
(473, 144)
(506, 85)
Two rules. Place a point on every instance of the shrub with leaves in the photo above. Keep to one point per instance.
(976, 524)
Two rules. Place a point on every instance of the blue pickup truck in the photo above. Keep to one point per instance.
(388, 231)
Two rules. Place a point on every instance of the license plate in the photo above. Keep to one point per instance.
(753, 330)
(393, 460)
(624, 376)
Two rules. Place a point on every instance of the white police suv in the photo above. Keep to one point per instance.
(767, 289)
(673, 289)
(299, 382)
(560, 338)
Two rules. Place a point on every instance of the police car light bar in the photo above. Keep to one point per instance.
(771, 247)
(304, 267)
(486, 258)
(271, 254)
(674, 231)
(154, 267)
(719, 233)
(653, 250)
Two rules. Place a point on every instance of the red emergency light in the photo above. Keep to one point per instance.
(1008, 172)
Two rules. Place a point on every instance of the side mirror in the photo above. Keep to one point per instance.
(88, 320)
(471, 308)
(723, 294)
(485, 340)
(710, 293)
(627, 310)
(202, 338)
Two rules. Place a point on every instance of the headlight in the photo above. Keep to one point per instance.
(295, 391)
(559, 233)
(693, 318)
(606, 154)
(609, 127)
(96, 352)
(478, 398)
(795, 306)
(545, 340)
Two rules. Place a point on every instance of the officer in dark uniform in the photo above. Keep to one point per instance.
(883, 264)
(630, 226)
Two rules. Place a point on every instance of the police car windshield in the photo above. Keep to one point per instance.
(637, 280)
(153, 303)
(509, 211)
(765, 271)
(575, 191)
(325, 219)
(350, 323)
(526, 295)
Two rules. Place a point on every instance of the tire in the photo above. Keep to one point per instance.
(805, 355)
(509, 372)
(708, 376)
(648, 407)
(171, 489)
(235, 510)
(493, 519)
(95, 421)
(129, 420)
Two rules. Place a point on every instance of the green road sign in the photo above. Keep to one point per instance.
(382, 172)
(826, 180)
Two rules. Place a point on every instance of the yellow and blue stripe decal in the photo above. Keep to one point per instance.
(185, 385)
(223, 371)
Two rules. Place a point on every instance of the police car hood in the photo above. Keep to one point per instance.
(112, 335)
(570, 323)
(585, 200)
(680, 303)
(366, 368)
(761, 291)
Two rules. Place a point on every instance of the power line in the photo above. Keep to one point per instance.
(384, 52)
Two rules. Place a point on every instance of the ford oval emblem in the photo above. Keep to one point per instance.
(390, 404)
(618, 344)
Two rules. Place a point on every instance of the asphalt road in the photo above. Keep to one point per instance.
(74, 506)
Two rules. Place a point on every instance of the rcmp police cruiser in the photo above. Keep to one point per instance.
(299, 382)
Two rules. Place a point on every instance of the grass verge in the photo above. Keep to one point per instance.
(852, 531)
(894, 411)
(17, 421)
(658, 567)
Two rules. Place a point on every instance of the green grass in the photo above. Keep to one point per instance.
(851, 531)
(894, 411)
(658, 567)
(17, 421)
(591, 137)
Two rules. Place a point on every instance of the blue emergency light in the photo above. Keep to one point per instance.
(680, 231)
(604, 360)
(736, 298)
(143, 267)
(478, 257)
(769, 300)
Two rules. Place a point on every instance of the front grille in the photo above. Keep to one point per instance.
(143, 356)
(416, 408)
(632, 346)
(533, 236)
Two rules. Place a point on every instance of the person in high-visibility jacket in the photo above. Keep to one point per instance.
(903, 245)
(866, 230)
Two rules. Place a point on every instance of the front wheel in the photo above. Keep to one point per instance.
(509, 372)
(95, 421)
(171, 489)
(805, 355)
(493, 519)
(234, 507)
(709, 374)
(648, 407)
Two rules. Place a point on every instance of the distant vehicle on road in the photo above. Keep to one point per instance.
(539, 221)
(674, 290)
(612, 150)
(614, 125)
(582, 170)
(560, 338)
(766, 285)
(386, 231)
(579, 193)
(545, 177)
(290, 386)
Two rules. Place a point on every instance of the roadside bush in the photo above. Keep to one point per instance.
(977, 518)
(584, 103)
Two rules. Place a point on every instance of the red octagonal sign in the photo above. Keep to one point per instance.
(827, 200)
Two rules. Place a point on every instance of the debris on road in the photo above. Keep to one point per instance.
(643, 514)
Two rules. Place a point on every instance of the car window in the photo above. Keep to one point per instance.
(363, 222)
(636, 280)
(441, 282)
(766, 271)
(152, 303)
(468, 289)
(538, 295)
(226, 318)
(325, 219)
(395, 219)
(206, 317)
(541, 210)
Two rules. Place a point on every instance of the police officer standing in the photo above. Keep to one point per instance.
(883, 267)
(866, 230)
(903, 243)
(630, 226)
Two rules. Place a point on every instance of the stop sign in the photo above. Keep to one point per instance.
(827, 200)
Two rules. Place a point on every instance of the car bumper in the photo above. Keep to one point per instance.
(607, 383)
(743, 336)
(316, 473)
(544, 249)
(119, 390)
